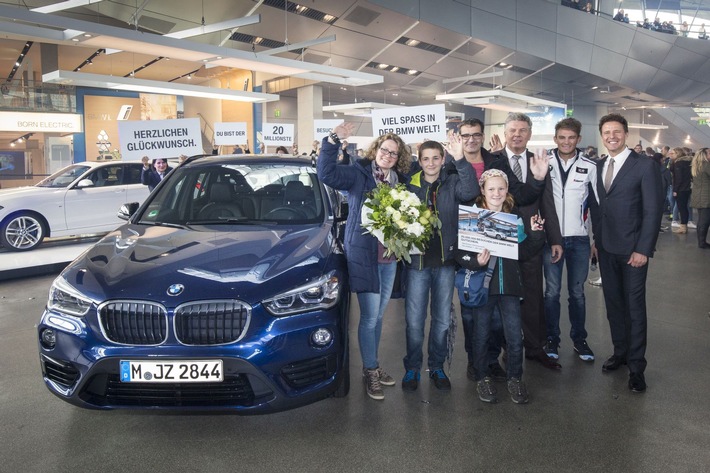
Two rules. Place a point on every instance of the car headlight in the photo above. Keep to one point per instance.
(64, 298)
(320, 294)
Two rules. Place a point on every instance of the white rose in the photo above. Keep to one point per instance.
(415, 229)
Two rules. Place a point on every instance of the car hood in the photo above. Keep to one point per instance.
(19, 192)
(256, 262)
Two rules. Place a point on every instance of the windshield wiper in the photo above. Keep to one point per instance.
(165, 224)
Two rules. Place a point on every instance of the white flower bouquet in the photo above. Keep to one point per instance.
(399, 220)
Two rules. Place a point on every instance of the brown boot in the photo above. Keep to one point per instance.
(683, 228)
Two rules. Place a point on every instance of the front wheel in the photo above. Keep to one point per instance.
(21, 232)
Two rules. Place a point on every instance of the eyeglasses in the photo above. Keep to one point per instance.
(475, 136)
(391, 154)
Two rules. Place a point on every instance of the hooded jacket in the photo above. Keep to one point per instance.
(457, 185)
(360, 247)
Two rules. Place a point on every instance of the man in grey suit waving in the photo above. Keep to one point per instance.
(625, 218)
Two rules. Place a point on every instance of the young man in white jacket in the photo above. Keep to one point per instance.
(571, 173)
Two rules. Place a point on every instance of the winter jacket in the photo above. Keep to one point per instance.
(506, 279)
(700, 197)
(360, 247)
(681, 174)
(458, 185)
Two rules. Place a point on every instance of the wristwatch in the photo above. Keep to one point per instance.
(334, 136)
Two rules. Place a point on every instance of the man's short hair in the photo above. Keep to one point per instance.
(431, 145)
(471, 122)
(614, 117)
(571, 124)
(518, 117)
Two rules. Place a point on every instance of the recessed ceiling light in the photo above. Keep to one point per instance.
(328, 18)
(595, 87)
(503, 64)
(412, 42)
(411, 72)
(383, 66)
(394, 69)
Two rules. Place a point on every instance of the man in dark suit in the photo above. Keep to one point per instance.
(524, 164)
(625, 218)
(152, 175)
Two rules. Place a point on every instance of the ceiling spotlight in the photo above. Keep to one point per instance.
(189, 76)
(595, 87)
(394, 69)
(411, 72)
(383, 66)
(328, 18)
(412, 42)
(503, 64)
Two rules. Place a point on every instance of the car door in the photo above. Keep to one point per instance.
(94, 208)
(131, 181)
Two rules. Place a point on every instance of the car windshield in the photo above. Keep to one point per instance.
(63, 177)
(227, 193)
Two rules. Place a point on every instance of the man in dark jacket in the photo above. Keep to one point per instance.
(518, 131)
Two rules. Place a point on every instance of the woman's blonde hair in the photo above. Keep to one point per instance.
(696, 167)
(404, 158)
(508, 203)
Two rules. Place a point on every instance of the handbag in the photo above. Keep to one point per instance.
(472, 285)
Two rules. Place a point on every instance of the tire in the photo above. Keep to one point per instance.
(344, 384)
(22, 231)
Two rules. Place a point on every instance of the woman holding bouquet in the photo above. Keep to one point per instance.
(371, 272)
(443, 187)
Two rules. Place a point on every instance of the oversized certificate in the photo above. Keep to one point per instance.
(481, 229)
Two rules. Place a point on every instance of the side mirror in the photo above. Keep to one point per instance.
(127, 210)
(85, 183)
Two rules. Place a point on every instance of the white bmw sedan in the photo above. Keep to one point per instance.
(80, 199)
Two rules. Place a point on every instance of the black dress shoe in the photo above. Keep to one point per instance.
(613, 363)
(544, 360)
(637, 383)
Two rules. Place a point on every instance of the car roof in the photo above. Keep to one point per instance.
(248, 159)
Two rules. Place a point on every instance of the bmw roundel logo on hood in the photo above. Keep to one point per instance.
(175, 289)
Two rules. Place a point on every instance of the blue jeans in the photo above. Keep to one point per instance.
(496, 339)
(576, 256)
(372, 308)
(509, 307)
(440, 282)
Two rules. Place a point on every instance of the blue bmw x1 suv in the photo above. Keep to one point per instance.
(226, 290)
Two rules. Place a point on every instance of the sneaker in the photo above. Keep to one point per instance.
(372, 384)
(518, 391)
(410, 382)
(664, 228)
(675, 224)
(692, 225)
(441, 381)
(595, 282)
(496, 371)
(471, 371)
(585, 353)
(385, 379)
(551, 349)
(486, 391)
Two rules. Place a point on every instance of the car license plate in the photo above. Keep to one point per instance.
(168, 371)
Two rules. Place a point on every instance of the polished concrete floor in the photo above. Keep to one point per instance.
(579, 419)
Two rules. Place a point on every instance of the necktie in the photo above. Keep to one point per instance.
(516, 167)
(609, 174)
